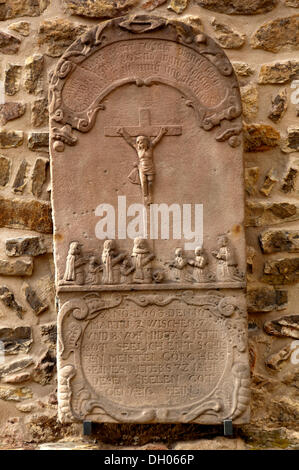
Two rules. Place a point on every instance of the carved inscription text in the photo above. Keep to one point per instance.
(149, 356)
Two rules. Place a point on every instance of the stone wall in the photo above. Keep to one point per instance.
(261, 38)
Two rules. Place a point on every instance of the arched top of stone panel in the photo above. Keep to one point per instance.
(177, 56)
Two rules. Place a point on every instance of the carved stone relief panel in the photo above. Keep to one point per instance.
(147, 194)
(176, 356)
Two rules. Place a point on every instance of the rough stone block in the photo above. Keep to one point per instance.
(266, 299)
(281, 271)
(16, 340)
(287, 327)
(27, 245)
(28, 214)
(37, 305)
(38, 141)
(260, 137)
(9, 300)
(238, 7)
(281, 33)
(18, 267)
(10, 139)
(5, 167)
(12, 79)
(10, 111)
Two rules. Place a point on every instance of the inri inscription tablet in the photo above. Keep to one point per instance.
(147, 171)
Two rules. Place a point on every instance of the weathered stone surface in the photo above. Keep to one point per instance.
(19, 267)
(243, 69)
(270, 180)
(58, 34)
(8, 43)
(12, 79)
(289, 180)
(266, 299)
(30, 246)
(20, 180)
(99, 8)
(16, 8)
(273, 241)
(281, 33)
(279, 106)
(278, 72)
(260, 137)
(5, 166)
(21, 27)
(291, 376)
(9, 300)
(291, 142)
(251, 178)
(48, 334)
(39, 112)
(38, 177)
(8, 393)
(26, 407)
(27, 214)
(292, 3)
(33, 80)
(217, 443)
(37, 305)
(11, 139)
(259, 214)
(226, 36)
(14, 366)
(195, 22)
(276, 360)
(250, 256)
(238, 7)
(150, 5)
(281, 271)
(16, 340)
(38, 141)
(44, 370)
(249, 95)
(178, 6)
(264, 436)
(17, 378)
(10, 111)
(287, 326)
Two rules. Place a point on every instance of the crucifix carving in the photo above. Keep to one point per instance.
(139, 138)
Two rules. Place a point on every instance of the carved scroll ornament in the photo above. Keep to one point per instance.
(224, 114)
(80, 311)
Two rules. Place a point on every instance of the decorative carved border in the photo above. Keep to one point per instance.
(82, 310)
(143, 26)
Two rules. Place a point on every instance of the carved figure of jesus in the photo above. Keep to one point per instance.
(143, 146)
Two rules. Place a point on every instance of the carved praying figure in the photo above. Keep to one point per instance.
(126, 269)
(75, 261)
(144, 171)
(227, 266)
(141, 258)
(93, 268)
(199, 264)
(110, 260)
(178, 266)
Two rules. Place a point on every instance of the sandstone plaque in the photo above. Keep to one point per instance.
(147, 171)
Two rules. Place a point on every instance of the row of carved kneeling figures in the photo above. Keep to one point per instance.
(114, 267)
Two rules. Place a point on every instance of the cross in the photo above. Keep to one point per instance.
(144, 174)
(144, 128)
